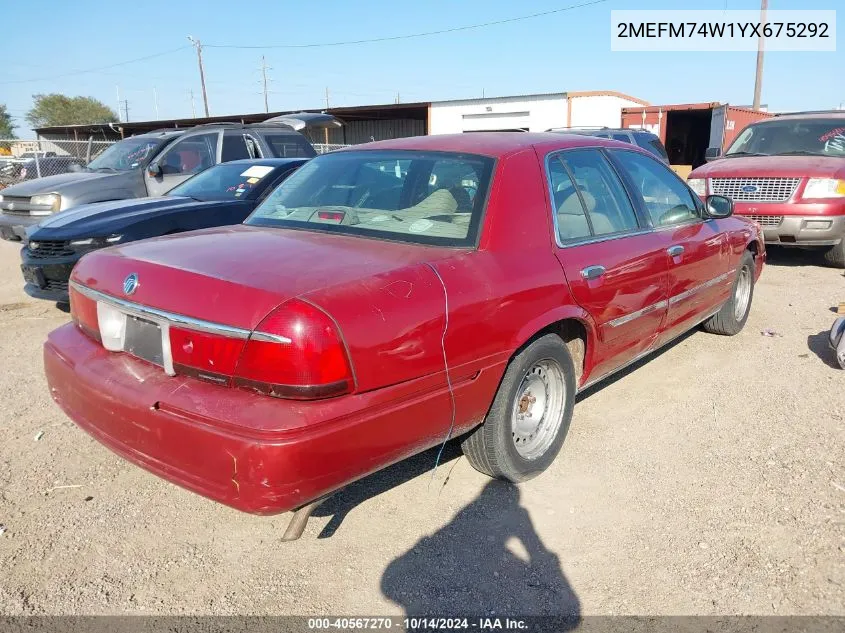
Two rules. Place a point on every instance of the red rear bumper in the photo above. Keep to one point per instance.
(252, 452)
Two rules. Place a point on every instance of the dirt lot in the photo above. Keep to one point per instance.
(709, 480)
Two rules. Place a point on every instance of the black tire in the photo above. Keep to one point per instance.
(835, 255)
(725, 321)
(491, 448)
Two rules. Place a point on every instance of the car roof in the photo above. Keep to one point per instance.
(830, 114)
(493, 144)
(274, 162)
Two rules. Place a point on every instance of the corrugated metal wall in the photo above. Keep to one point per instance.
(354, 132)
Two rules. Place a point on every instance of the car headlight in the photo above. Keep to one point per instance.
(698, 185)
(824, 188)
(96, 242)
(50, 201)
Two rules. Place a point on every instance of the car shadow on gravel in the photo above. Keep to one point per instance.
(819, 344)
(488, 561)
(780, 256)
(345, 500)
(619, 375)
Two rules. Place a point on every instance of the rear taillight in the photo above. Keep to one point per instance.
(296, 352)
(212, 357)
(83, 311)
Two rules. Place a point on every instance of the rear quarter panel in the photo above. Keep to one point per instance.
(498, 296)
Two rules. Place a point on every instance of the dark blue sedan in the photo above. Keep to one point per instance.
(224, 194)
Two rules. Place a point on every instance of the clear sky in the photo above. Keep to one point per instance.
(45, 39)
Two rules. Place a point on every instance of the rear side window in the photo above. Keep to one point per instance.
(667, 199)
(618, 136)
(600, 192)
(190, 155)
(423, 197)
(289, 146)
(234, 148)
(654, 146)
(570, 218)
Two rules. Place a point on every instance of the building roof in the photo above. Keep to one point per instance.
(562, 95)
(352, 113)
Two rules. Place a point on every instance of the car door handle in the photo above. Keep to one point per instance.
(592, 272)
(675, 251)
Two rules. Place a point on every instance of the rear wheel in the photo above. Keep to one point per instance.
(835, 255)
(731, 318)
(530, 415)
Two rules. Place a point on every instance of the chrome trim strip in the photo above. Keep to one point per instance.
(670, 302)
(660, 305)
(269, 338)
(707, 284)
(162, 317)
(643, 354)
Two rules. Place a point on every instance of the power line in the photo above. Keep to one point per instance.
(414, 35)
(94, 70)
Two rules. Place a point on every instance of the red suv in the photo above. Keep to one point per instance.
(788, 174)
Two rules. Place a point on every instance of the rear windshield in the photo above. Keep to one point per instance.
(813, 137)
(423, 197)
(227, 181)
(289, 146)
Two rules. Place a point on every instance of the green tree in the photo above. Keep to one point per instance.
(7, 128)
(57, 109)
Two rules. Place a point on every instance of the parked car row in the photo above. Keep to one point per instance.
(151, 165)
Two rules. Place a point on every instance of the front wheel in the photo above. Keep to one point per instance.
(530, 415)
(731, 318)
(835, 255)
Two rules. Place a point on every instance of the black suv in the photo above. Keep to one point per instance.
(640, 138)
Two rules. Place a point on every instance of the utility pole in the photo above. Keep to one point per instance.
(758, 79)
(155, 100)
(327, 97)
(193, 109)
(264, 69)
(198, 45)
(118, 103)
(126, 111)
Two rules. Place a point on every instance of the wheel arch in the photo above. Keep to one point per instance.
(573, 325)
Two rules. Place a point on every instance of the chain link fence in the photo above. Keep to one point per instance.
(27, 160)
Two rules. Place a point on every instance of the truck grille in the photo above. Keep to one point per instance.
(49, 248)
(768, 221)
(754, 189)
(56, 285)
(15, 205)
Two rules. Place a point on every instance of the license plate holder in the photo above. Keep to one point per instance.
(143, 339)
(34, 275)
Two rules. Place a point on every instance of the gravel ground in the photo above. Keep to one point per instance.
(708, 480)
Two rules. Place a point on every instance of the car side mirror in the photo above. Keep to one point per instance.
(154, 170)
(712, 153)
(719, 207)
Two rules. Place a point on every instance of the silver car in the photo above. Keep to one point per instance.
(145, 165)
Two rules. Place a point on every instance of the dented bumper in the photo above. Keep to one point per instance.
(255, 453)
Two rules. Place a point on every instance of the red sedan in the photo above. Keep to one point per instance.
(388, 297)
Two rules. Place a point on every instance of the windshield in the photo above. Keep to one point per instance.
(130, 153)
(424, 197)
(228, 181)
(816, 137)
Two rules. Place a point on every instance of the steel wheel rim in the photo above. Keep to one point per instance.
(742, 295)
(538, 409)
